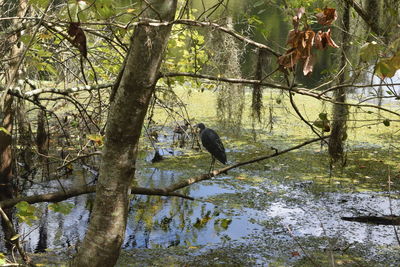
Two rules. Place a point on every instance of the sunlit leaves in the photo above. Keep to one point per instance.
(38, 3)
(26, 213)
(4, 130)
(63, 208)
(15, 237)
(2, 259)
(104, 8)
(96, 138)
(186, 51)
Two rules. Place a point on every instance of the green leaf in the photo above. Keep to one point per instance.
(98, 139)
(387, 67)
(319, 124)
(26, 212)
(395, 45)
(105, 8)
(26, 38)
(384, 69)
(4, 130)
(2, 259)
(15, 237)
(323, 116)
(258, 3)
(225, 223)
(386, 122)
(38, 3)
(64, 208)
(370, 51)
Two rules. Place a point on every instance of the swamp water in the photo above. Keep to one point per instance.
(285, 211)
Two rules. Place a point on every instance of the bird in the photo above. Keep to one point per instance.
(212, 142)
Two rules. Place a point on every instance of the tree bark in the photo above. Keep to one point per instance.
(340, 112)
(7, 118)
(105, 234)
(42, 143)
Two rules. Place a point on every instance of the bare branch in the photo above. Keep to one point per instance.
(16, 241)
(168, 191)
(208, 176)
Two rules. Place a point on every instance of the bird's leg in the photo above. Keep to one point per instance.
(212, 164)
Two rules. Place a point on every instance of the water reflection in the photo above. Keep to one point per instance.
(214, 219)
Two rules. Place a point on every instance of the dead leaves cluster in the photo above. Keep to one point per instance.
(79, 41)
(302, 41)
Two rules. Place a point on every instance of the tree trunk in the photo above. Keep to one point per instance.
(105, 234)
(42, 143)
(7, 117)
(373, 9)
(25, 141)
(340, 112)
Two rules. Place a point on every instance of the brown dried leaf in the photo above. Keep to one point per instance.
(299, 12)
(327, 16)
(323, 39)
(318, 40)
(80, 42)
(80, 37)
(329, 40)
(292, 39)
(289, 59)
(308, 65)
(308, 41)
(73, 28)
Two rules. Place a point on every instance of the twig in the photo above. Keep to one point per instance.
(301, 247)
(208, 176)
(78, 158)
(13, 75)
(15, 238)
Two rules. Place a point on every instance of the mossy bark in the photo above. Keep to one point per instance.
(340, 111)
(104, 237)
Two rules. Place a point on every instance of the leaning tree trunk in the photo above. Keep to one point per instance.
(340, 111)
(7, 116)
(105, 234)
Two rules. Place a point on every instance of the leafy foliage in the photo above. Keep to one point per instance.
(2, 259)
(26, 213)
(61, 207)
(386, 66)
(96, 138)
(4, 130)
(186, 50)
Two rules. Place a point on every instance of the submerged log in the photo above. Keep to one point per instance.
(378, 220)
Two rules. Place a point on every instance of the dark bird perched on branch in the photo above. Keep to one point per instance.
(212, 142)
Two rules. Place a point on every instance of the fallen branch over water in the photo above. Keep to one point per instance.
(168, 191)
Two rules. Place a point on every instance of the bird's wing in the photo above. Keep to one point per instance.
(213, 144)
